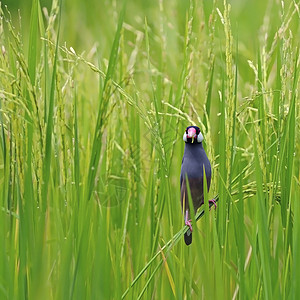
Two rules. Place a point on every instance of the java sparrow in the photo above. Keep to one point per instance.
(193, 162)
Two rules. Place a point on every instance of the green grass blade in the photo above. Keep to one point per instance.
(33, 36)
(262, 232)
(49, 126)
(103, 99)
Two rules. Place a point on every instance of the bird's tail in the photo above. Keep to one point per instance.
(188, 237)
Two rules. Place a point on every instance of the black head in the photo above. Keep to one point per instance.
(192, 134)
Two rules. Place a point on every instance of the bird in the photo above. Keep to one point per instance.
(194, 161)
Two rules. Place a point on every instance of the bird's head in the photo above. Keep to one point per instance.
(192, 134)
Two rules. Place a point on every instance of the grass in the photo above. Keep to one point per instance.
(93, 103)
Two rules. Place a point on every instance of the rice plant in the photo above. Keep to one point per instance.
(94, 100)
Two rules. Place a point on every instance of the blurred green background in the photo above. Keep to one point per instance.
(84, 23)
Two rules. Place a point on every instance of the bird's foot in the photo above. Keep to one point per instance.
(188, 223)
(214, 202)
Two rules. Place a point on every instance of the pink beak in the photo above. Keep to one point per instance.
(191, 132)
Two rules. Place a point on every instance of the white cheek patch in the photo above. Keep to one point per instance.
(199, 137)
(185, 137)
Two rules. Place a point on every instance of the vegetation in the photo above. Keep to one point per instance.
(94, 99)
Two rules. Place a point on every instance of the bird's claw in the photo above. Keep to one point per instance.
(214, 202)
(189, 224)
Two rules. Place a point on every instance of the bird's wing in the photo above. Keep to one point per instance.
(180, 181)
(181, 173)
(196, 188)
